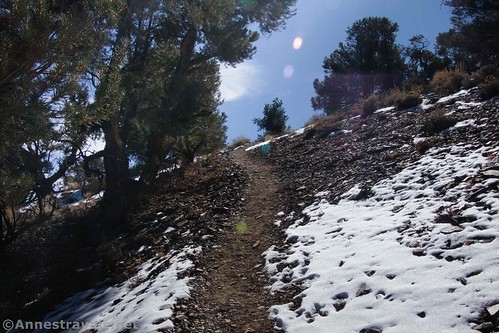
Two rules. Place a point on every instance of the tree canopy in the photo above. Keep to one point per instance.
(474, 38)
(274, 118)
(142, 75)
(368, 61)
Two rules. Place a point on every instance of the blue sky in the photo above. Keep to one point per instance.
(279, 70)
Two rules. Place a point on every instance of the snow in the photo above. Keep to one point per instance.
(452, 97)
(385, 263)
(419, 139)
(468, 105)
(145, 301)
(425, 105)
(299, 131)
(387, 109)
(258, 145)
(464, 123)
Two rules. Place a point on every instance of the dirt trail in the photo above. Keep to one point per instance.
(231, 296)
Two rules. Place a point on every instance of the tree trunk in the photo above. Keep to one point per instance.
(155, 156)
(119, 192)
(156, 150)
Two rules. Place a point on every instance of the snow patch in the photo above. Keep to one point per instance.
(452, 97)
(145, 301)
(384, 262)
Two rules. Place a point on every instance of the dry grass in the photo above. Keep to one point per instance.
(490, 88)
(368, 106)
(401, 99)
(314, 119)
(326, 125)
(239, 141)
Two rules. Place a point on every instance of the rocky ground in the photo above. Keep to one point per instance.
(364, 151)
(229, 294)
(285, 176)
(228, 205)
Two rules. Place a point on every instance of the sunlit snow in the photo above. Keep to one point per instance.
(385, 263)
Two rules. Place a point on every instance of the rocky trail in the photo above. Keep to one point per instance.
(191, 260)
(230, 294)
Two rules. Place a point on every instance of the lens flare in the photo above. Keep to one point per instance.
(297, 43)
(288, 71)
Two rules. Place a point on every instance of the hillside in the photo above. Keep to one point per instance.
(384, 224)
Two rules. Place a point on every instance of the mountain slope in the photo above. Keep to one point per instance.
(384, 224)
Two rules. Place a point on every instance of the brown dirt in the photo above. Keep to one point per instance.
(230, 294)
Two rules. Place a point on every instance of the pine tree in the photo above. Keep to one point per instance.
(46, 49)
(274, 118)
(421, 62)
(369, 61)
(474, 39)
(157, 50)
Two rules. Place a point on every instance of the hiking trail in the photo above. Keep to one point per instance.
(230, 295)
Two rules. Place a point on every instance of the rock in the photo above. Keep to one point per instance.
(483, 326)
(493, 310)
(421, 314)
(451, 229)
(339, 306)
(371, 330)
(159, 321)
(491, 173)
(419, 252)
(256, 244)
(465, 219)
(220, 210)
(446, 218)
(181, 317)
(363, 290)
(369, 273)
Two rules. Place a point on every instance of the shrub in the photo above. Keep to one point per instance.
(239, 141)
(370, 105)
(490, 88)
(423, 145)
(437, 122)
(314, 119)
(449, 81)
(402, 100)
(484, 73)
(329, 124)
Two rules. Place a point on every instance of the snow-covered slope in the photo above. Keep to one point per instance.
(420, 254)
(144, 303)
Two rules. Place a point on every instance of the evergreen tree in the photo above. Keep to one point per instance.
(151, 68)
(474, 39)
(274, 118)
(156, 51)
(369, 61)
(46, 49)
(421, 62)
